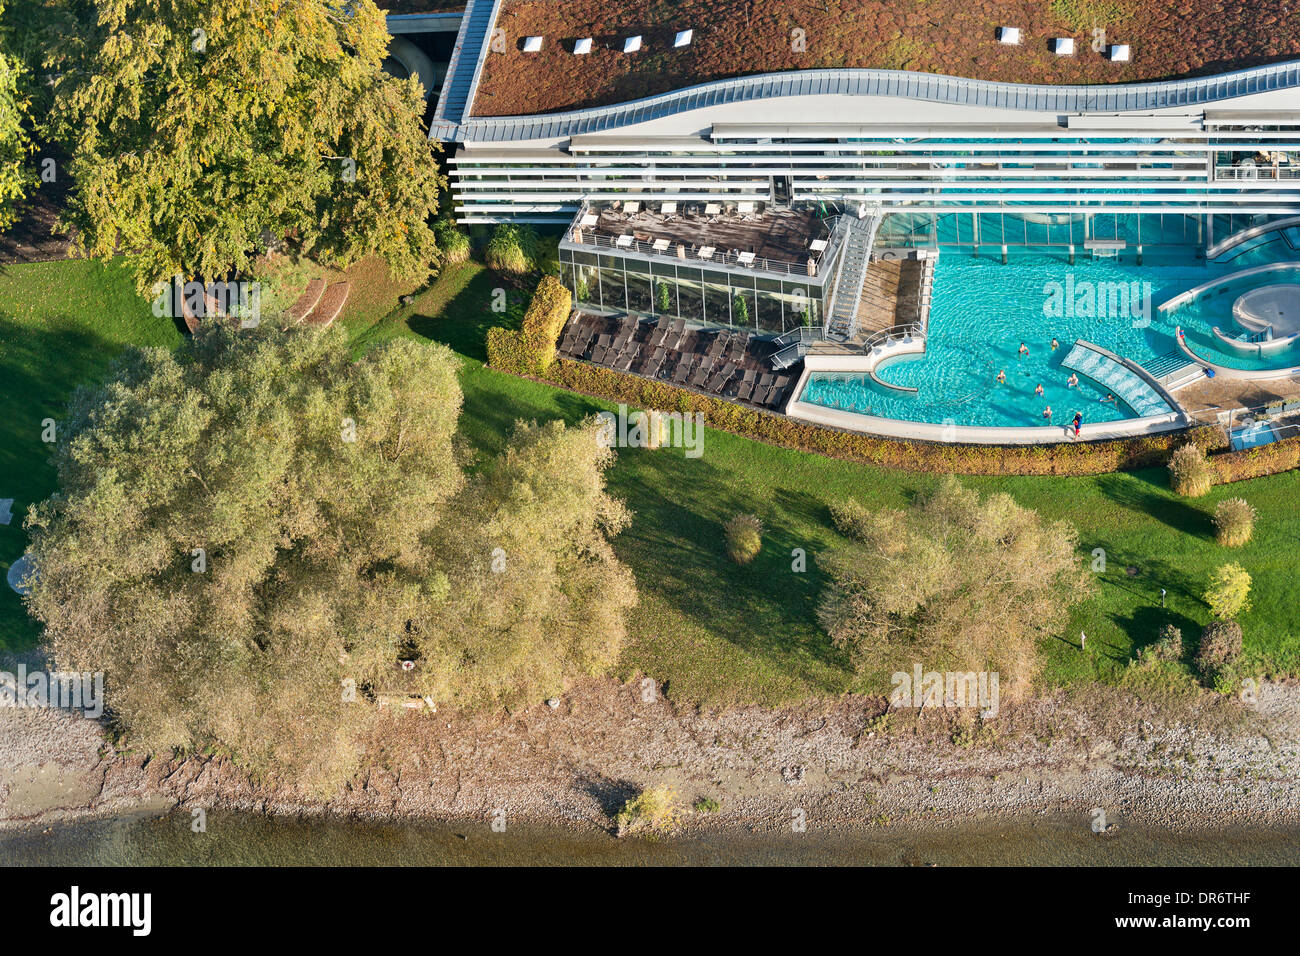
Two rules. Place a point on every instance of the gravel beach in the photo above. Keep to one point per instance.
(849, 762)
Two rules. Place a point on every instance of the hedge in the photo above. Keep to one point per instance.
(1083, 458)
(531, 350)
(513, 352)
(1267, 459)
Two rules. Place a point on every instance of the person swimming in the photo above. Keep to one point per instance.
(1023, 350)
(1055, 344)
(1047, 413)
(1039, 389)
(1109, 398)
(1002, 377)
(1072, 381)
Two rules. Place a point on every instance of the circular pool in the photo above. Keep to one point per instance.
(1274, 309)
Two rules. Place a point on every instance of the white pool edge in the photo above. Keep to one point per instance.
(898, 428)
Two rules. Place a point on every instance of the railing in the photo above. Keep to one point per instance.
(887, 336)
(793, 345)
(1264, 173)
(689, 253)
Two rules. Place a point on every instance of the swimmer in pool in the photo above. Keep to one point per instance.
(1039, 389)
(1055, 345)
(1023, 350)
(1109, 398)
(1002, 377)
(1047, 413)
(1072, 381)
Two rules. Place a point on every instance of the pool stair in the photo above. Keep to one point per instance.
(1130, 383)
(1173, 369)
(842, 317)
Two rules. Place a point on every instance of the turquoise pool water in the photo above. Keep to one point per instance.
(982, 310)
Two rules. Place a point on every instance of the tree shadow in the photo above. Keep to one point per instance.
(464, 320)
(1139, 493)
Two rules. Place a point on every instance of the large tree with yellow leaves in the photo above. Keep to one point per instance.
(198, 126)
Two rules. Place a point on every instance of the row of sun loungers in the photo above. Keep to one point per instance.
(727, 363)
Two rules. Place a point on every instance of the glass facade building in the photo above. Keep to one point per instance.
(613, 281)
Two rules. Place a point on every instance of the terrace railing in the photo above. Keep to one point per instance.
(794, 345)
(579, 236)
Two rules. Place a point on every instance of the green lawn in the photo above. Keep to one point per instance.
(714, 632)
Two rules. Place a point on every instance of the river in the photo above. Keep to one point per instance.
(252, 839)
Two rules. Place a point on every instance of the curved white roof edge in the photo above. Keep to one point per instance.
(931, 87)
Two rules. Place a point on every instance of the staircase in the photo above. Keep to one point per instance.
(1172, 369)
(475, 27)
(1118, 379)
(842, 317)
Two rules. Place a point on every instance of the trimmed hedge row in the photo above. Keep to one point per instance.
(1083, 458)
(531, 350)
(1270, 459)
(535, 357)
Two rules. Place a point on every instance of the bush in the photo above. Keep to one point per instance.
(707, 805)
(1220, 646)
(1190, 474)
(654, 810)
(960, 582)
(1234, 522)
(1229, 591)
(1168, 647)
(531, 350)
(744, 535)
(453, 244)
(512, 249)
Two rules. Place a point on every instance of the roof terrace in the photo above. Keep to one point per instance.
(737, 235)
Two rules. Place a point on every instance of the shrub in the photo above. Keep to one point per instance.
(1220, 646)
(1168, 647)
(665, 297)
(1190, 474)
(707, 805)
(1234, 522)
(957, 581)
(653, 810)
(512, 249)
(453, 243)
(740, 310)
(851, 518)
(531, 350)
(1229, 591)
(744, 534)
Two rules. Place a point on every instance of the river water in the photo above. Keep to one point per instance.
(252, 839)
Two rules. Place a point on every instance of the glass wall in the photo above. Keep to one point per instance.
(741, 298)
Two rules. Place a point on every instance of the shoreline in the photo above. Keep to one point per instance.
(1204, 764)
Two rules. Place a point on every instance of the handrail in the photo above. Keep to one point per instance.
(1188, 92)
(777, 267)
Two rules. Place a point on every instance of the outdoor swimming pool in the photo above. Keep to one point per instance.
(982, 310)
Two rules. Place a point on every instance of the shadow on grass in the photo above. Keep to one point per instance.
(463, 320)
(675, 545)
(1139, 492)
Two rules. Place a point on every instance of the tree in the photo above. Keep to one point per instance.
(246, 533)
(954, 582)
(196, 127)
(15, 143)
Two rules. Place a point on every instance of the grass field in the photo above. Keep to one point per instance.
(714, 632)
